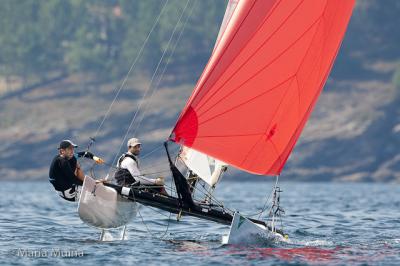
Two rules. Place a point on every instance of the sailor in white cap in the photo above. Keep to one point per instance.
(65, 172)
(128, 167)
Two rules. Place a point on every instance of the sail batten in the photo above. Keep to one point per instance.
(262, 81)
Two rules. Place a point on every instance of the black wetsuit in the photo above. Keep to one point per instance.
(62, 175)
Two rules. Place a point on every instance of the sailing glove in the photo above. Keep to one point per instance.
(98, 160)
(160, 181)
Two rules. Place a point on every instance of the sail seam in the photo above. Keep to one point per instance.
(236, 135)
(291, 142)
(224, 51)
(246, 102)
(279, 156)
(302, 61)
(264, 94)
(249, 58)
(258, 72)
(269, 124)
(197, 90)
(298, 87)
(262, 69)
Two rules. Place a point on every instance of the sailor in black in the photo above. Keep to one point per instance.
(65, 173)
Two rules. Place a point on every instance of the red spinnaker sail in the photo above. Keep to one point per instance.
(262, 81)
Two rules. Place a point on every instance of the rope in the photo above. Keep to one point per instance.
(130, 69)
(276, 185)
(169, 217)
(154, 150)
(150, 232)
(213, 199)
(150, 85)
(152, 166)
(159, 212)
(263, 208)
(147, 228)
(265, 204)
(168, 61)
(275, 213)
(159, 172)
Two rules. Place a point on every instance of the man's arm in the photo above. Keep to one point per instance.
(79, 172)
(88, 154)
(131, 165)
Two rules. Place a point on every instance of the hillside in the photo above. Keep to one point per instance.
(353, 134)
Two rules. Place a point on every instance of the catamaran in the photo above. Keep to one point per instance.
(269, 64)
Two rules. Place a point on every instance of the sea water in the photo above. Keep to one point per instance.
(327, 224)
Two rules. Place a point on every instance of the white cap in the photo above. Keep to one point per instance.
(133, 142)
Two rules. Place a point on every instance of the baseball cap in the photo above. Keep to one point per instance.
(66, 143)
(133, 142)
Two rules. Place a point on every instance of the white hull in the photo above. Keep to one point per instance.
(244, 231)
(102, 207)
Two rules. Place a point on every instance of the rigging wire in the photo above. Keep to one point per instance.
(169, 218)
(265, 204)
(259, 213)
(142, 168)
(150, 232)
(205, 193)
(151, 152)
(130, 69)
(150, 85)
(212, 198)
(166, 65)
(132, 66)
(154, 173)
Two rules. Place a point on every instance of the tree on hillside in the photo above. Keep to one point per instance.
(200, 32)
(139, 17)
(198, 35)
(97, 37)
(32, 36)
(40, 38)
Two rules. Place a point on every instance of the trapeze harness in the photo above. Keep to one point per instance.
(122, 175)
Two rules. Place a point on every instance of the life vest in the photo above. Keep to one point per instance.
(122, 175)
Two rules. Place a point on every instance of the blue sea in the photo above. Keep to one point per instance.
(327, 223)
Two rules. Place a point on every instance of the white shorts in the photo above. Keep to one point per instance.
(71, 194)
